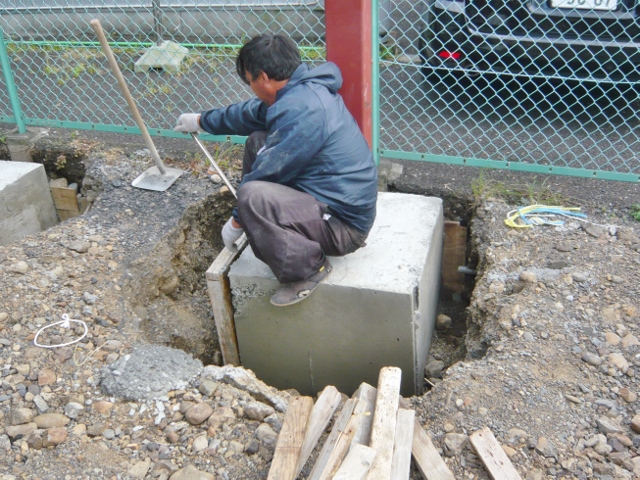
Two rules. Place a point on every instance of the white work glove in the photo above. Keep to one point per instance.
(187, 123)
(230, 235)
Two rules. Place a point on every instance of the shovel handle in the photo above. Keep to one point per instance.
(215, 165)
(95, 24)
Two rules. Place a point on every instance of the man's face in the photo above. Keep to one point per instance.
(262, 87)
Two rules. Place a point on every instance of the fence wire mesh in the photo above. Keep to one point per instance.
(176, 56)
(540, 85)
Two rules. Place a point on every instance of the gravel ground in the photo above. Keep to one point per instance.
(546, 359)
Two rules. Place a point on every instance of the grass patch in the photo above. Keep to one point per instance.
(635, 212)
(533, 193)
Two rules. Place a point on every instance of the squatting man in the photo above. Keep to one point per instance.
(309, 182)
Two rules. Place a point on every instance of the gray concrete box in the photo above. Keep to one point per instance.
(26, 206)
(377, 308)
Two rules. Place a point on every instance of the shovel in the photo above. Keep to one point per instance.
(157, 178)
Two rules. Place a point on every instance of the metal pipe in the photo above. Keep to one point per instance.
(11, 85)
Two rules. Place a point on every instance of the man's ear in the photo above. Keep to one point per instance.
(265, 78)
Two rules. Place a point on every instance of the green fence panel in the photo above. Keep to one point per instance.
(177, 56)
(537, 85)
(547, 86)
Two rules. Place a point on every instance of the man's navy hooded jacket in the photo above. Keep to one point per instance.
(314, 144)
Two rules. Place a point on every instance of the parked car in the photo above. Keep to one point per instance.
(592, 40)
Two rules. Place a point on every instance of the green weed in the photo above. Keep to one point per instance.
(635, 212)
(533, 193)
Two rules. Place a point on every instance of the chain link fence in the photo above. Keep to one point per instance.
(545, 86)
(176, 56)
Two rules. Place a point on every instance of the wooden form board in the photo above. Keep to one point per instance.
(454, 255)
(66, 202)
(427, 458)
(289, 445)
(221, 302)
(492, 456)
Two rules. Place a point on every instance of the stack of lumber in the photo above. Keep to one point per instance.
(373, 437)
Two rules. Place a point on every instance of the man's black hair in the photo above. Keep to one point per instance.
(275, 55)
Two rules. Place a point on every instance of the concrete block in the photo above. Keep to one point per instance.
(377, 308)
(26, 206)
(20, 144)
(167, 55)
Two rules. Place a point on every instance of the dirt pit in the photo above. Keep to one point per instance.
(543, 349)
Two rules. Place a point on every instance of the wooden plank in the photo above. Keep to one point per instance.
(366, 395)
(357, 463)
(338, 427)
(383, 430)
(401, 463)
(427, 458)
(492, 456)
(454, 255)
(289, 445)
(338, 442)
(320, 416)
(221, 302)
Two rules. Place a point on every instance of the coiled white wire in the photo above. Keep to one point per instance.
(65, 323)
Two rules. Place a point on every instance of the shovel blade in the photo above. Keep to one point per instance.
(152, 179)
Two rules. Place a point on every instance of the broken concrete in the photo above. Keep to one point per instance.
(377, 308)
(26, 206)
(149, 372)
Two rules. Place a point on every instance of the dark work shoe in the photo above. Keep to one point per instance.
(294, 292)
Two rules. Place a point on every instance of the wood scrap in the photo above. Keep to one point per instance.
(492, 456)
(427, 458)
(357, 463)
(321, 414)
(289, 444)
(401, 462)
(373, 437)
(383, 430)
(338, 448)
(366, 395)
(338, 427)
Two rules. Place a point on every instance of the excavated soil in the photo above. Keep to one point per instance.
(543, 348)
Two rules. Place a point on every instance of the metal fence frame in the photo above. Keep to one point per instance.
(379, 149)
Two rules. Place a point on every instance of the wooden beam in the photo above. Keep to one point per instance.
(320, 416)
(289, 445)
(492, 456)
(383, 430)
(221, 302)
(401, 463)
(357, 463)
(427, 458)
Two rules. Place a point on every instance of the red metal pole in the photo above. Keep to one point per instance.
(348, 37)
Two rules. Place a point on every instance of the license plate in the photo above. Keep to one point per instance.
(585, 4)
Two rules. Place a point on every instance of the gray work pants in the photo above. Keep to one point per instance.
(288, 229)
